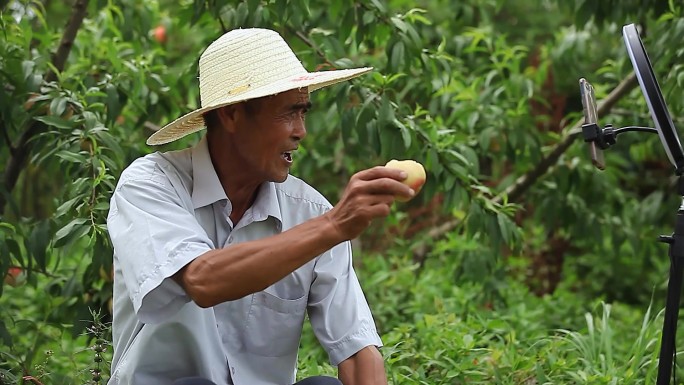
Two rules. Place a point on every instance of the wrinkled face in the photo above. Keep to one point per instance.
(267, 132)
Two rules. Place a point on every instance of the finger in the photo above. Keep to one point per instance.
(385, 186)
(378, 205)
(380, 210)
(379, 172)
(379, 199)
(356, 205)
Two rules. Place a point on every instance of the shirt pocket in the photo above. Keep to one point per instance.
(274, 325)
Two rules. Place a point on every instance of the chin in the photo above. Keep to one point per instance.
(280, 178)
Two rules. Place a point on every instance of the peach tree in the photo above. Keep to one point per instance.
(483, 93)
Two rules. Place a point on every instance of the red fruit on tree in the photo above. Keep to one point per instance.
(15, 276)
(160, 34)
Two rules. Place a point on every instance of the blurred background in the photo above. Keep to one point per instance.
(519, 263)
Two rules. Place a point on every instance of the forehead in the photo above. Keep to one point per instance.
(289, 98)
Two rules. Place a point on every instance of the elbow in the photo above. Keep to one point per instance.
(205, 304)
(203, 301)
(201, 282)
(196, 283)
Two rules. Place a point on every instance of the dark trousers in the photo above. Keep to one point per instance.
(319, 380)
(315, 380)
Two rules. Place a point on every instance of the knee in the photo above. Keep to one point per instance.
(193, 381)
(319, 380)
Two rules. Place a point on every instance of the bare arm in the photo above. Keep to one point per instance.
(227, 274)
(366, 367)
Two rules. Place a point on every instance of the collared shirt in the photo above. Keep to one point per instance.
(168, 209)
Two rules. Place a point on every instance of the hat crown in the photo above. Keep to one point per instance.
(246, 64)
(244, 59)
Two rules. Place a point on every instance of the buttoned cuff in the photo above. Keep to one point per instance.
(352, 344)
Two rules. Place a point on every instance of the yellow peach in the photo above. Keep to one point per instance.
(416, 174)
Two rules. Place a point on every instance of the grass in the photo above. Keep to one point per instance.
(436, 331)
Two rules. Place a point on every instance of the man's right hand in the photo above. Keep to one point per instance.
(369, 195)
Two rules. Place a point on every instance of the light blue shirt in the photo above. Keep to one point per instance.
(168, 209)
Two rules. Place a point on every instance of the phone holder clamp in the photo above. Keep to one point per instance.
(603, 137)
(607, 136)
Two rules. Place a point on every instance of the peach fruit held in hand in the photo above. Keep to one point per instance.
(416, 174)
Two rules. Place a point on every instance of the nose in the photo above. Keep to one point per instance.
(299, 130)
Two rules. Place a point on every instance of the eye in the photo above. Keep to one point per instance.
(299, 112)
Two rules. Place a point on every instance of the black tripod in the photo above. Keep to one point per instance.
(674, 289)
(604, 138)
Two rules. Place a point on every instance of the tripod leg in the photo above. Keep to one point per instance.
(667, 346)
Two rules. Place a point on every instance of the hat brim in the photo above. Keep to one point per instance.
(194, 121)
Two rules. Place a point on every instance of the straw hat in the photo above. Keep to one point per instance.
(246, 64)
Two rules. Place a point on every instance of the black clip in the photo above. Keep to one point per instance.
(603, 137)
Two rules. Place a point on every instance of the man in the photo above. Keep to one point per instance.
(219, 253)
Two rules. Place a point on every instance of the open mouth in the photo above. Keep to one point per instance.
(287, 155)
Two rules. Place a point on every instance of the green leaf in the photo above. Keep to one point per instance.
(5, 335)
(55, 121)
(400, 24)
(368, 17)
(405, 133)
(73, 230)
(66, 207)
(36, 244)
(27, 67)
(241, 14)
(504, 227)
(380, 5)
(58, 106)
(7, 226)
(91, 119)
(14, 250)
(385, 113)
(252, 6)
(347, 125)
(397, 56)
(113, 105)
(73, 157)
(34, 81)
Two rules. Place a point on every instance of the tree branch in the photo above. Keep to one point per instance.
(311, 44)
(220, 20)
(17, 161)
(515, 191)
(78, 13)
(5, 136)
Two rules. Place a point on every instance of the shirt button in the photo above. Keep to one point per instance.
(230, 240)
(232, 369)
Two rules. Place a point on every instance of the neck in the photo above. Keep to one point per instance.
(240, 189)
(241, 199)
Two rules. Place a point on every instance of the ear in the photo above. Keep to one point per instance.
(230, 116)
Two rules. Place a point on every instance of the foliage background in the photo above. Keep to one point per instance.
(519, 262)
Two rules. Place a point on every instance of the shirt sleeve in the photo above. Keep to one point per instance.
(154, 235)
(338, 310)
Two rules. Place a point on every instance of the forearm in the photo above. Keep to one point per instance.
(233, 272)
(366, 367)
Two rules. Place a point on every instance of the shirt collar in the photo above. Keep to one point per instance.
(266, 204)
(206, 187)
